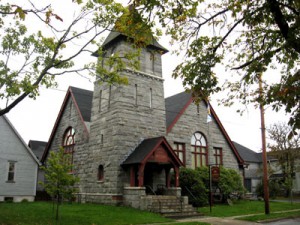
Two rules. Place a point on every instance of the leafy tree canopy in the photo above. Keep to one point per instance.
(286, 150)
(37, 44)
(247, 37)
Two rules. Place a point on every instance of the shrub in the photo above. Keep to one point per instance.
(274, 189)
(195, 184)
(192, 185)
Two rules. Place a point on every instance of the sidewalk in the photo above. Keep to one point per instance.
(218, 221)
(229, 220)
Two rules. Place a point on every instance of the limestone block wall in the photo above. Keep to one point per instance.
(192, 121)
(122, 116)
(70, 118)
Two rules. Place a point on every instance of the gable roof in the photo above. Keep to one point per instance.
(175, 108)
(21, 139)
(247, 154)
(82, 100)
(37, 147)
(115, 36)
(145, 148)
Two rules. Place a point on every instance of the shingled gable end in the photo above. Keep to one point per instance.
(127, 139)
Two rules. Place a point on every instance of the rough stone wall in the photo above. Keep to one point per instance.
(121, 117)
(70, 118)
(192, 121)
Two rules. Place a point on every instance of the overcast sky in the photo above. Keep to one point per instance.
(34, 119)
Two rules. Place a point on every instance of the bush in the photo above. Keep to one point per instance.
(192, 185)
(274, 189)
(195, 184)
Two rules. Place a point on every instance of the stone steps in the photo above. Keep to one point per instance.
(171, 206)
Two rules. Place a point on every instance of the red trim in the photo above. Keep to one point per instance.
(240, 160)
(79, 113)
(169, 149)
(169, 128)
(55, 126)
(62, 108)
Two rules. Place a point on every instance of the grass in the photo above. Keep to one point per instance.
(41, 213)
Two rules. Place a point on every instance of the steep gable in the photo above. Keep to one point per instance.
(14, 132)
(177, 105)
(82, 101)
(37, 147)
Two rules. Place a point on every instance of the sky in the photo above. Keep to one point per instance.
(34, 119)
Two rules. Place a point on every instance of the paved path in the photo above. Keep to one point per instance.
(234, 220)
(218, 221)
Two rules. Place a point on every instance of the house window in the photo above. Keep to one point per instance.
(11, 171)
(100, 174)
(69, 144)
(199, 150)
(179, 149)
(218, 157)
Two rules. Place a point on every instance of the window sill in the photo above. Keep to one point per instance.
(10, 181)
(100, 181)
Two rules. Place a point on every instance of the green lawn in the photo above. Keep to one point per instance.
(246, 207)
(73, 214)
(41, 213)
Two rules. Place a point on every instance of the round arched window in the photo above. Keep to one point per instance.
(69, 144)
(199, 150)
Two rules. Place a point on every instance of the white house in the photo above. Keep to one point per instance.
(18, 165)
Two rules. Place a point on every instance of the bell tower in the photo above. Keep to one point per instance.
(123, 116)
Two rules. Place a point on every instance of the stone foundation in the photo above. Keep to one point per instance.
(107, 199)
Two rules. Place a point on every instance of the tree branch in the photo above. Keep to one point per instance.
(284, 28)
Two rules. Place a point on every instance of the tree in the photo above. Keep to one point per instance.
(59, 180)
(247, 37)
(286, 150)
(31, 58)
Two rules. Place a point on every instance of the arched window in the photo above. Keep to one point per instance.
(100, 174)
(199, 150)
(69, 144)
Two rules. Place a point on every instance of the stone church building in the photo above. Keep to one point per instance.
(127, 142)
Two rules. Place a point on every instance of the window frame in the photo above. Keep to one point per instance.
(178, 151)
(218, 156)
(11, 174)
(199, 148)
(69, 144)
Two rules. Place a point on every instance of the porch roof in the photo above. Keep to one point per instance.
(144, 150)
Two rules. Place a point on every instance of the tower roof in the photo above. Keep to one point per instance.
(131, 26)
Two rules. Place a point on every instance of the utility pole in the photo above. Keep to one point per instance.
(264, 151)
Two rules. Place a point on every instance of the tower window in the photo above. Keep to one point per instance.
(109, 96)
(135, 94)
(100, 101)
(100, 174)
(150, 98)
